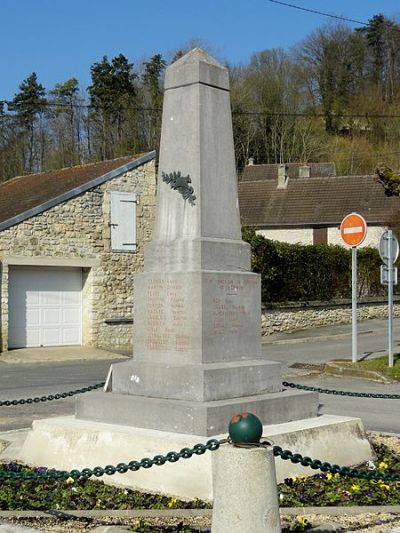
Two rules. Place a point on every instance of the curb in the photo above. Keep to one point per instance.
(337, 369)
(113, 513)
(301, 340)
(194, 513)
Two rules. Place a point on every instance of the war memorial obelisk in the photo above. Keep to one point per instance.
(197, 352)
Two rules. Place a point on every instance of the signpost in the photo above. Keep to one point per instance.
(353, 230)
(389, 252)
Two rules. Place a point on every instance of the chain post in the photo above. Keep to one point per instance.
(244, 481)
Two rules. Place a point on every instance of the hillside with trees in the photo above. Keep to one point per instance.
(335, 96)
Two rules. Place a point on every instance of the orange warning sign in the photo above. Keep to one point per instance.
(353, 229)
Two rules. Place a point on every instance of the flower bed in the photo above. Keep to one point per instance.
(322, 489)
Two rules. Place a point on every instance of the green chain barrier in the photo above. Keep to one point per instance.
(316, 464)
(186, 453)
(342, 392)
(57, 396)
(120, 468)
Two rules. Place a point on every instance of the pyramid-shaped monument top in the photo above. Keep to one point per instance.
(196, 67)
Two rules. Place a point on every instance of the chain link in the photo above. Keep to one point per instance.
(341, 392)
(121, 468)
(186, 453)
(316, 464)
(57, 396)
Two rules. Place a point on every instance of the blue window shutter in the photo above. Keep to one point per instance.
(123, 221)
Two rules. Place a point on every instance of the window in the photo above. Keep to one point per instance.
(123, 221)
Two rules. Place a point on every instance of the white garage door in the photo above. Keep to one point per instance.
(45, 307)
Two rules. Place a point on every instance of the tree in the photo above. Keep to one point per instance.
(153, 97)
(28, 105)
(65, 121)
(152, 78)
(272, 86)
(111, 93)
(333, 56)
(3, 142)
(389, 180)
(382, 37)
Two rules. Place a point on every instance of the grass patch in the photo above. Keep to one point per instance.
(380, 364)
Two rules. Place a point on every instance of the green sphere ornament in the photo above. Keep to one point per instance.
(245, 428)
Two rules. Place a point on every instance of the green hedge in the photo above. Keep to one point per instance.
(295, 272)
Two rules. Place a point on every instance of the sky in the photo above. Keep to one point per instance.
(62, 39)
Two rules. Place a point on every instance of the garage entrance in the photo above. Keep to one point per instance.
(45, 306)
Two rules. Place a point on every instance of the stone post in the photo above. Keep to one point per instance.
(245, 491)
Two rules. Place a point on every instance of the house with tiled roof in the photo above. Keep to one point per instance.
(306, 203)
(70, 242)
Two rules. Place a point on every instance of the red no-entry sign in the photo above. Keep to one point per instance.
(353, 229)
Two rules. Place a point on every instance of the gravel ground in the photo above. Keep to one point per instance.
(373, 523)
(81, 526)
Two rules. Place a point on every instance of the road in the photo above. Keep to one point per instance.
(40, 379)
(377, 415)
(308, 347)
(331, 342)
(313, 347)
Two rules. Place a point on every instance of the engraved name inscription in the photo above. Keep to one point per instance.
(229, 308)
(166, 316)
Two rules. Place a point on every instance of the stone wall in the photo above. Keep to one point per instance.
(77, 233)
(296, 317)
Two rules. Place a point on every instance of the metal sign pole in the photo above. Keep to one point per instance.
(354, 304)
(390, 297)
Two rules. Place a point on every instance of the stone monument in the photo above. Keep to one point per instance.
(197, 345)
(197, 350)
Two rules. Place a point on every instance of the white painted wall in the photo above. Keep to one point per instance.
(372, 239)
(291, 236)
(305, 235)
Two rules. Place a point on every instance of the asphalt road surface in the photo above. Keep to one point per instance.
(40, 379)
(377, 415)
(313, 347)
(332, 342)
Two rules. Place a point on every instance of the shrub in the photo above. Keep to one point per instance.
(296, 272)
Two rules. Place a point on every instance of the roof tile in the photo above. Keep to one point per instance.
(26, 192)
(317, 201)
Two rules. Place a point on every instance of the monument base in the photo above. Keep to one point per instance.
(67, 443)
(196, 382)
(191, 417)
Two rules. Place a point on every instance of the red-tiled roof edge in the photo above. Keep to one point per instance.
(94, 182)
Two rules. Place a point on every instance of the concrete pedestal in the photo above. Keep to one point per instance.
(67, 443)
(245, 492)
